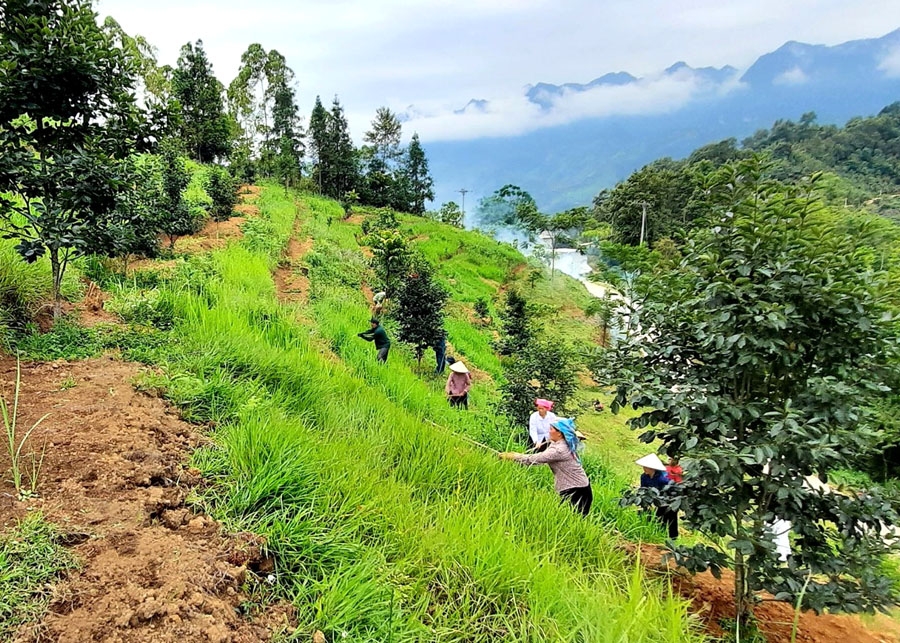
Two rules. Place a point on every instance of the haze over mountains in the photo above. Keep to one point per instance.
(564, 143)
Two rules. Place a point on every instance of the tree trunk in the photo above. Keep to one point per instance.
(56, 271)
(742, 607)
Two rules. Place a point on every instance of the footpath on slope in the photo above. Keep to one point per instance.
(114, 481)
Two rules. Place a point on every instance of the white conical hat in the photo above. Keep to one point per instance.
(458, 367)
(651, 461)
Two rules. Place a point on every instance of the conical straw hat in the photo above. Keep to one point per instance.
(651, 461)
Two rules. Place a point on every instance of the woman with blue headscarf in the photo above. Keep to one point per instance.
(570, 481)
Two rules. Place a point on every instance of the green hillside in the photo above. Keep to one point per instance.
(385, 522)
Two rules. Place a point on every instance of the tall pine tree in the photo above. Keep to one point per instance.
(418, 181)
(204, 126)
(318, 141)
(340, 174)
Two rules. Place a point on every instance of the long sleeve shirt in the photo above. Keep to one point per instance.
(567, 470)
(458, 384)
(539, 427)
(658, 480)
(377, 335)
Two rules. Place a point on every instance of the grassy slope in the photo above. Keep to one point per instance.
(384, 525)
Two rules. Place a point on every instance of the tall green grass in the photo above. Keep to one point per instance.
(384, 525)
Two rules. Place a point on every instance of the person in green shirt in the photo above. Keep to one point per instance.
(378, 335)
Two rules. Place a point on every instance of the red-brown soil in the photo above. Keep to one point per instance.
(114, 479)
(291, 281)
(712, 600)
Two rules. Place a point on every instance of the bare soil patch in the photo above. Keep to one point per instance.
(712, 600)
(291, 277)
(114, 479)
(355, 219)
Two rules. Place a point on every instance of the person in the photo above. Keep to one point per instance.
(569, 478)
(781, 530)
(440, 355)
(539, 424)
(378, 335)
(655, 477)
(674, 471)
(598, 406)
(378, 303)
(458, 385)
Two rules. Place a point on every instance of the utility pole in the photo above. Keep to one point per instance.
(643, 222)
(463, 192)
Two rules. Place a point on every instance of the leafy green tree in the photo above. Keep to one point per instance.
(288, 132)
(417, 180)
(176, 218)
(221, 190)
(756, 357)
(669, 192)
(67, 116)
(337, 156)
(205, 129)
(318, 141)
(385, 135)
(544, 367)
(450, 214)
(517, 325)
(390, 257)
(419, 308)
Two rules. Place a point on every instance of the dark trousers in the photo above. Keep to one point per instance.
(460, 401)
(580, 497)
(440, 358)
(669, 519)
(382, 354)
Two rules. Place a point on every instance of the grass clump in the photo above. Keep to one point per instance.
(31, 560)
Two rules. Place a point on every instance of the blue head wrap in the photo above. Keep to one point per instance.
(566, 426)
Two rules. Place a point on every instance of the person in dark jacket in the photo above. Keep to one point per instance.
(378, 335)
(655, 476)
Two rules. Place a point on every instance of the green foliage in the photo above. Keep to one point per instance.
(204, 126)
(67, 340)
(66, 117)
(417, 178)
(419, 309)
(390, 258)
(543, 367)
(482, 307)
(517, 324)
(758, 354)
(222, 191)
(151, 307)
(32, 559)
(177, 218)
(450, 214)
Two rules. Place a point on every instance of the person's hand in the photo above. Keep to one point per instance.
(508, 455)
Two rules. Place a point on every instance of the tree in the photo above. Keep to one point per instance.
(420, 185)
(545, 367)
(204, 126)
(516, 324)
(390, 257)
(221, 190)
(450, 214)
(67, 115)
(176, 217)
(318, 141)
(753, 363)
(385, 135)
(337, 156)
(419, 309)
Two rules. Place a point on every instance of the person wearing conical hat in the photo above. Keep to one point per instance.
(458, 384)
(655, 477)
(570, 480)
(539, 424)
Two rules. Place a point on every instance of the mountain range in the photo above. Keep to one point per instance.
(623, 122)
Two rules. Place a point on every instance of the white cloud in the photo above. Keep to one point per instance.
(890, 64)
(513, 115)
(445, 52)
(793, 76)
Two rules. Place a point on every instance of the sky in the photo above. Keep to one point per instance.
(427, 58)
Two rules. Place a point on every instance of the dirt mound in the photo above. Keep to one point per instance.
(114, 480)
(713, 600)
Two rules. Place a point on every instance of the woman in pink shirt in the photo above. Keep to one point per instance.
(458, 385)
